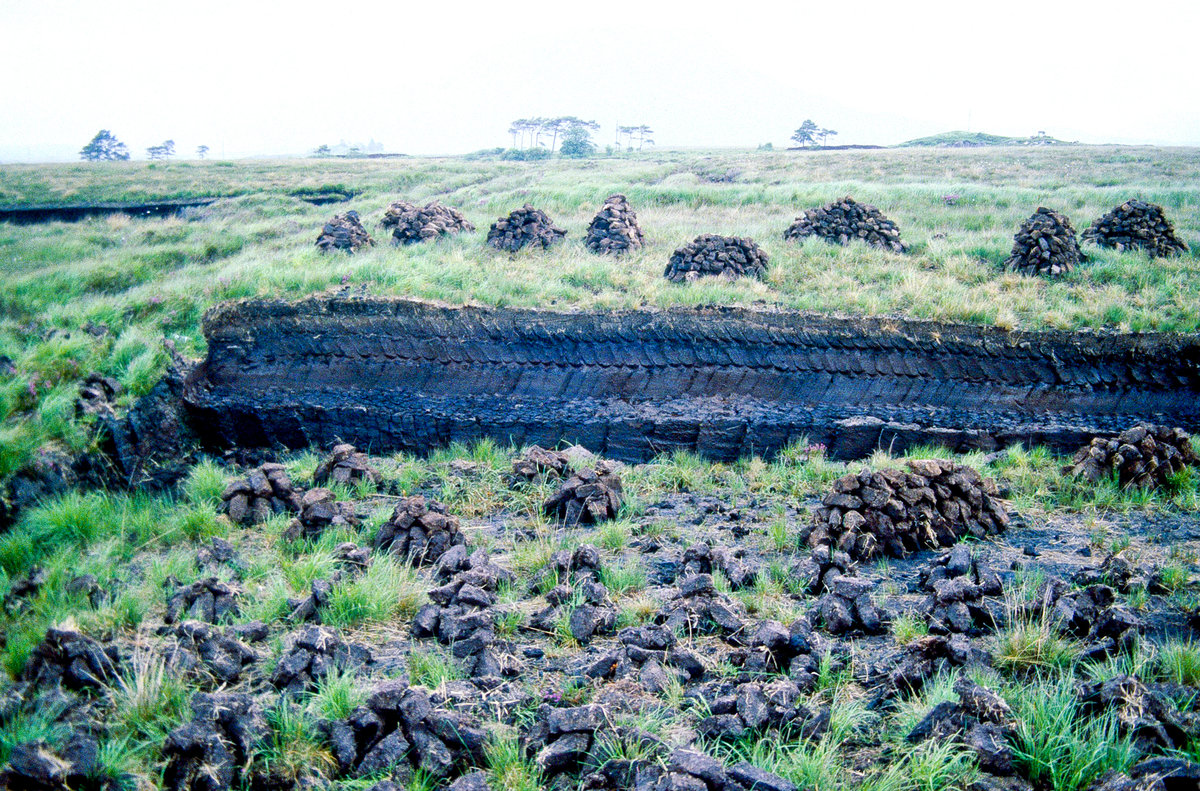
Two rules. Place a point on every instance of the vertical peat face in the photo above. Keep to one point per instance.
(403, 374)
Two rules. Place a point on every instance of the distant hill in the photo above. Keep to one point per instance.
(959, 139)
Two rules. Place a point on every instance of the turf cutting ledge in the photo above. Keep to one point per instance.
(399, 374)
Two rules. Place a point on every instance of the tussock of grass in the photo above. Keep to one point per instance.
(431, 667)
(1059, 749)
(387, 589)
(1033, 644)
(508, 767)
(338, 693)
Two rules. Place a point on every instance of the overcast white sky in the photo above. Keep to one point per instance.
(251, 78)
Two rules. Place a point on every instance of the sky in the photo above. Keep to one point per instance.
(278, 79)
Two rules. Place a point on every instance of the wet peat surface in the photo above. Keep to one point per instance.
(650, 652)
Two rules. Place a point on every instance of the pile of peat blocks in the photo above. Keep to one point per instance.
(713, 255)
(412, 224)
(524, 226)
(847, 219)
(344, 232)
(1144, 456)
(894, 512)
(614, 229)
(1136, 225)
(1045, 244)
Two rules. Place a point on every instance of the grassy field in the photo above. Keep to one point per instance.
(136, 282)
(103, 294)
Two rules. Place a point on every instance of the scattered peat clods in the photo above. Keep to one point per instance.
(846, 219)
(524, 226)
(611, 646)
(710, 255)
(1136, 225)
(412, 224)
(1045, 244)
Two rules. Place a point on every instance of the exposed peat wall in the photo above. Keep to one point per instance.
(397, 374)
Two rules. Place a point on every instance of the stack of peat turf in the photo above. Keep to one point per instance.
(614, 229)
(1137, 225)
(846, 219)
(1045, 244)
(344, 232)
(412, 224)
(712, 255)
(524, 226)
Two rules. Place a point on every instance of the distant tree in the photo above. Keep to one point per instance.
(322, 150)
(825, 133)
(527, 127)
(627, 131)
(643, 135)
(164, 150)
(577, 140)
(104, 147)
(806, 134)
(201, 151)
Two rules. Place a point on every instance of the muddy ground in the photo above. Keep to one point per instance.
(679, 646)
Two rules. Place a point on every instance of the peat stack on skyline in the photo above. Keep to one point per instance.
(614, 229)
(412, 224)
(1136, 225)
(847, 219)
(524, 226)
(712, 255)
(1045, 244)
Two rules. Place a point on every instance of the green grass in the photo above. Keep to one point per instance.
(149, 279)
(908, 627)
(1032, 644)
(508, 767)
(1056, 747)
(387, 589)
(337, 694)
(431, 667)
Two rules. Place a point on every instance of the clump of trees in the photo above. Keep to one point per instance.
(104, 147)
(545, 134)
(808, 133)
(639, 133)
(164, 150)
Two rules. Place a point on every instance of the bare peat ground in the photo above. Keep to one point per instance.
(685, 636)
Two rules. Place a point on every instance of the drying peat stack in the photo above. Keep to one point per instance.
(265, 491)
(893, 512)
(709, 254)
(1136, 225)
(524, 226)
(847, 219)
(344, 232)
(614, 229)
(1145, 457)
(411, 223)
(1045, 244)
